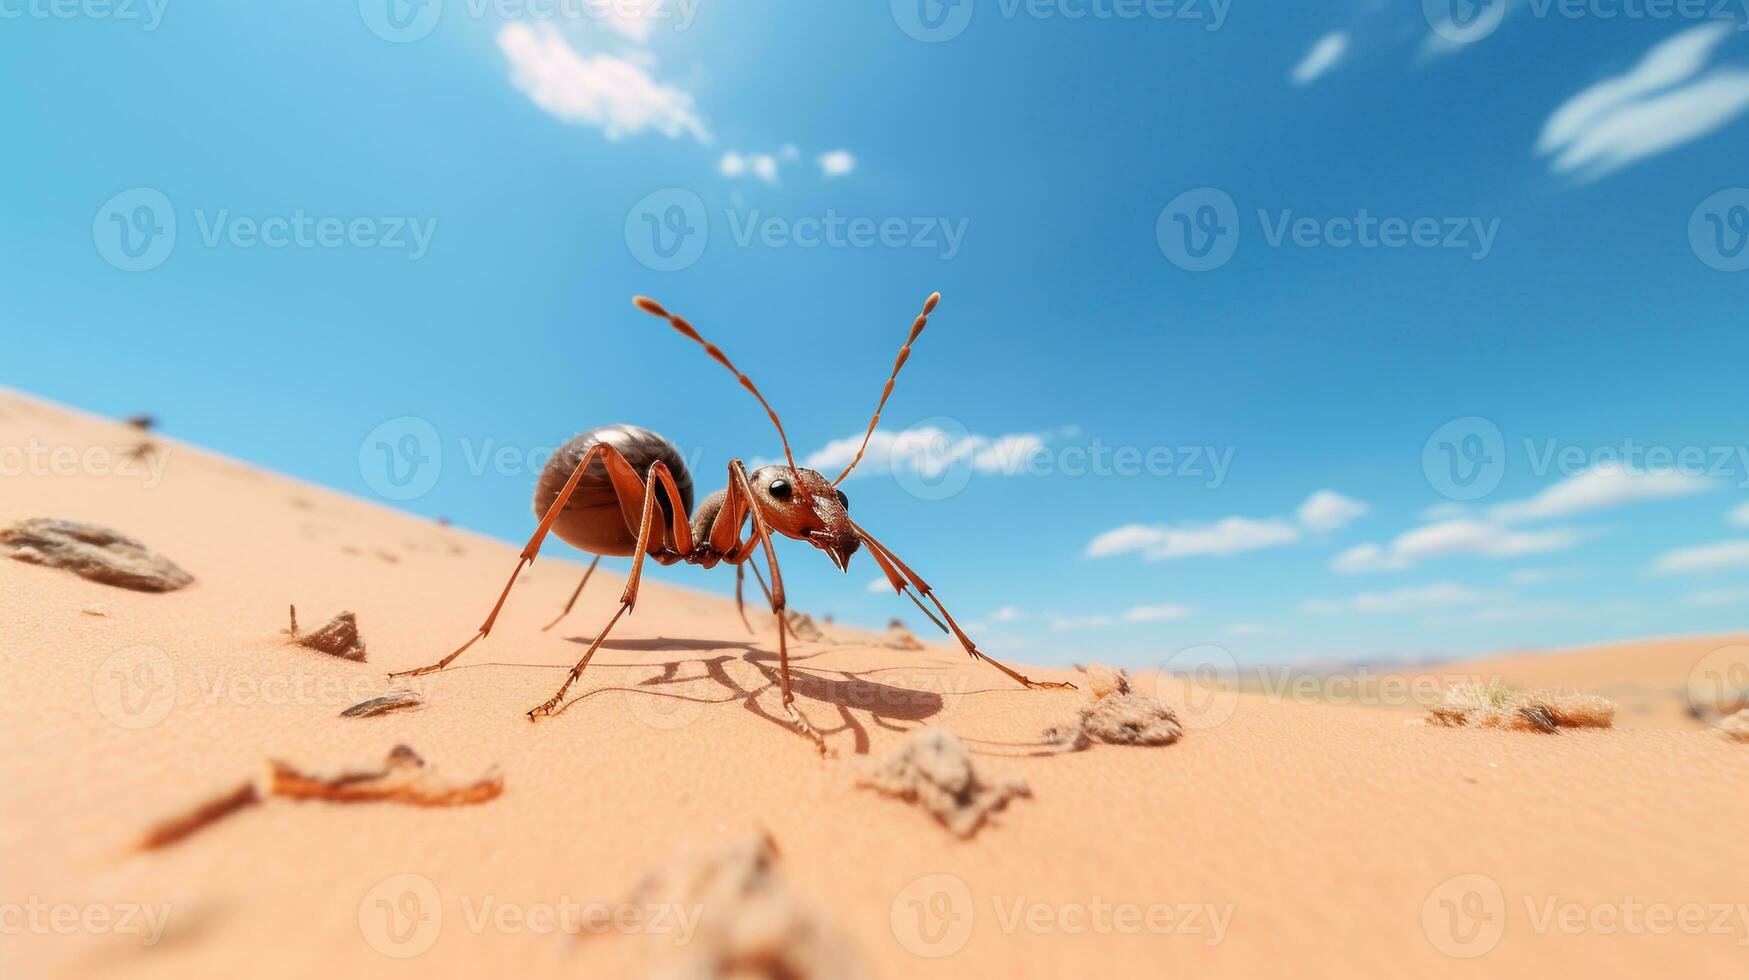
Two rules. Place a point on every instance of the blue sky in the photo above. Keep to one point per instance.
(1309, 331)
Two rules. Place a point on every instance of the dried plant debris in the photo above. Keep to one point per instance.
(1116, 715)
(801, 626)
(1494, 705)
(397, 701)
(744, 919)
(142, 421)
(403, 777)
(900, 638)
(1735, 727)
(933, 770)
(337, 638)
(93, 552)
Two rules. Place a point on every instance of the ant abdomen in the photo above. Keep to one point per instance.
(592, 519)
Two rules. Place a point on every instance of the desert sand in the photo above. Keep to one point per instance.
(1277, 837)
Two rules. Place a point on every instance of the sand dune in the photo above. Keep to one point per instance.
(668, 822)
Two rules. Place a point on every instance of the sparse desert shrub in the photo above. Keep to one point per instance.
(1494, 705)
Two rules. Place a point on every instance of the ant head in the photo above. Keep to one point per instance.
(817, 512)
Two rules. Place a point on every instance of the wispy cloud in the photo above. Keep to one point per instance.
(880, 586)
(763, 166)
(1440, 595)
(1604, 485)
(837, 163)
(1324, 55)
(929, 451)
(1006, 614)
(1543, 576)
(615, 95)
(1483, 539)
(1713, 598)
(1740, 516)
(1328, 510)
(1700, 558)
(1160, 613)
(1324, 510)
(1657, 105)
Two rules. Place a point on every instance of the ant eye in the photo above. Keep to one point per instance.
(843, 501)
(779, 488)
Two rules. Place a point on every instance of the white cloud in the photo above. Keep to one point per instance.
(837, 163)
(929, 452)
(1740, 516)
(1653, 107)
(1543, 576)
(631, 18)
(1228, 536)
(1078, 622)
(1604, 485)
(1718, 597)
(760, 165)
(1440, 595)
(612, 94)
(1158, 613)
(1323, 56)
(1455, 537)
(1007, 614)
(1703, 558)
(880, 586)
(1328, 510)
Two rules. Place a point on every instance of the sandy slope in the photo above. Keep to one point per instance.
(1324, 838)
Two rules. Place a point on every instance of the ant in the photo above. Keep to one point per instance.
(625, 491)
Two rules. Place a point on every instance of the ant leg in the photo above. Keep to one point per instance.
(528, 553)
(762, 535)
(658, 474)
(893, 566)
(586, 573)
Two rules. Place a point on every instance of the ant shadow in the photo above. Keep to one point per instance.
(847, 692)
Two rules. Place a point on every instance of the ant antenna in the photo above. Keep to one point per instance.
(904, 354)
(655, 309)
